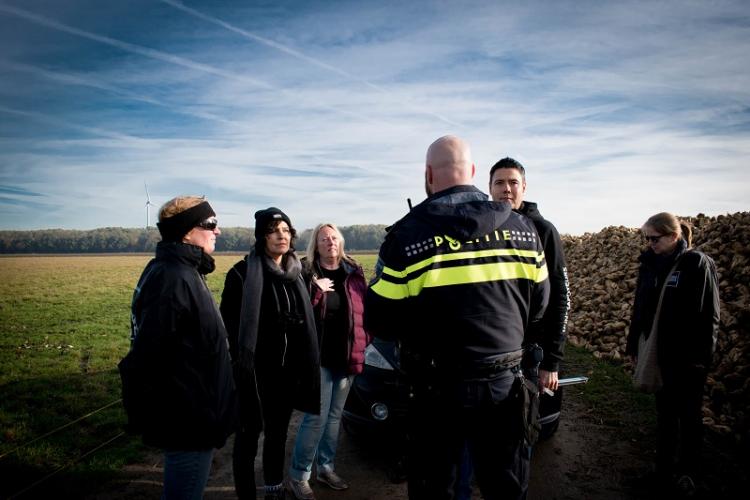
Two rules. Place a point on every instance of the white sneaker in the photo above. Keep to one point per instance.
(301, 489)
(332, 480)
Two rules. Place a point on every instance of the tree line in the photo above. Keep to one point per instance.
(366, 237)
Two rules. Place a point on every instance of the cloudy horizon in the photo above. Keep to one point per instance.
(618, 110)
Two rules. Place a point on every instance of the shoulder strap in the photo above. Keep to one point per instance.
(663, 289)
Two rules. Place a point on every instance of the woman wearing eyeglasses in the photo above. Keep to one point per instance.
(677, 300)
(177, 382)
(267, 312)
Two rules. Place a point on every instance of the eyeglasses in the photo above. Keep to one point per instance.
(209, 224)
(653, 239)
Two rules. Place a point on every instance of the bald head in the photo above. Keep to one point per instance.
(448, 164)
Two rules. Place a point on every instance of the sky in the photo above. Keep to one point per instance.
(325, 109)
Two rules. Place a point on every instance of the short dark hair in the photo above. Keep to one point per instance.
(271, 225)
(508, 162)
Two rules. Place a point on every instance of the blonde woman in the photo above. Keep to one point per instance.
(676, 299)
(337, 287)
(178, 389)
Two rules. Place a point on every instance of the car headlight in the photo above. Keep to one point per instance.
(374, 358)
(379, 411)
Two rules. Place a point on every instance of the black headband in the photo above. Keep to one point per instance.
(175, 227)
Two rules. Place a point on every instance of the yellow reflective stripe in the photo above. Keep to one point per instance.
(477, 273)
(543, 273)
(538, 257)
(388, 290)
(460, 275)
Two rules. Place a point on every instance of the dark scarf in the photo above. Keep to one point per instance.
(251, 297)
(306, 395)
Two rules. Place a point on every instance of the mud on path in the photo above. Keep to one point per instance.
(585, 459)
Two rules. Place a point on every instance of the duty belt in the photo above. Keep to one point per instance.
(493, 365)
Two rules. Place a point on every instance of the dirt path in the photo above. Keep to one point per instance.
(579, 461)
(585, 459)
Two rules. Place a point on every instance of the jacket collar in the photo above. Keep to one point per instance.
(456, 195)
(190, 255)
(649, 258)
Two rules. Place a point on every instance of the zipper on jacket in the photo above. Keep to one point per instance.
(286, 339)
(279, 309)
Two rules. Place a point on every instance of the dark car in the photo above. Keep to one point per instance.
(376, 406)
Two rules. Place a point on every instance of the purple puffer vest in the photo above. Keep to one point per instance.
(355, 286)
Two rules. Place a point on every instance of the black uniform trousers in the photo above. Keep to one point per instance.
(486, 415)
(679, 421)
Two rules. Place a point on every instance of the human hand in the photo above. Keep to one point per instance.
(548, 380)
(325, 284)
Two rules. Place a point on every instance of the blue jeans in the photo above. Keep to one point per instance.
(319, 434)
(186, 474)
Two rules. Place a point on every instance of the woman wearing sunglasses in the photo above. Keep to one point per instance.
(677, 306)
(267, 312)
(177, 382)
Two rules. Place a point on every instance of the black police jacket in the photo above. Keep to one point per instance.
(177, 382)
(689, 319)
(554, 323)
(459, 280)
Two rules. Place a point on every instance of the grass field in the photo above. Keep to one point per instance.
(65, 323)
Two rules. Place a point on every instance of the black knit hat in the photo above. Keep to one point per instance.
(264, 217)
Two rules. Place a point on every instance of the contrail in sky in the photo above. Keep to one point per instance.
(86, 81)
(298, 55)
(138, 141)
(161, 56)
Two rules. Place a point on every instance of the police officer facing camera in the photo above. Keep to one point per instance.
(508, 183)
(459, 282)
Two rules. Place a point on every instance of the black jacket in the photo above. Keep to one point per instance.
(689, 318)
(555, 321)
(177, 380)
(286, 354)
(459, 279)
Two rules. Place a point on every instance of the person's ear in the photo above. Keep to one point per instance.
(428, 174)
(473, 170)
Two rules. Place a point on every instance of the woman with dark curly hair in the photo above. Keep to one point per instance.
(269, 318)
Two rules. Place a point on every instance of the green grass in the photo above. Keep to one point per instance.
(367, 261)
(66, 325)
(609, 396)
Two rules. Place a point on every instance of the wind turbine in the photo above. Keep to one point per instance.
(148, 204)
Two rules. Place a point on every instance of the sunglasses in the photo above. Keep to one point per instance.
(653, 239)
(209, 224)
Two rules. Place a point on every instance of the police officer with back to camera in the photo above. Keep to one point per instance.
(459, 281)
